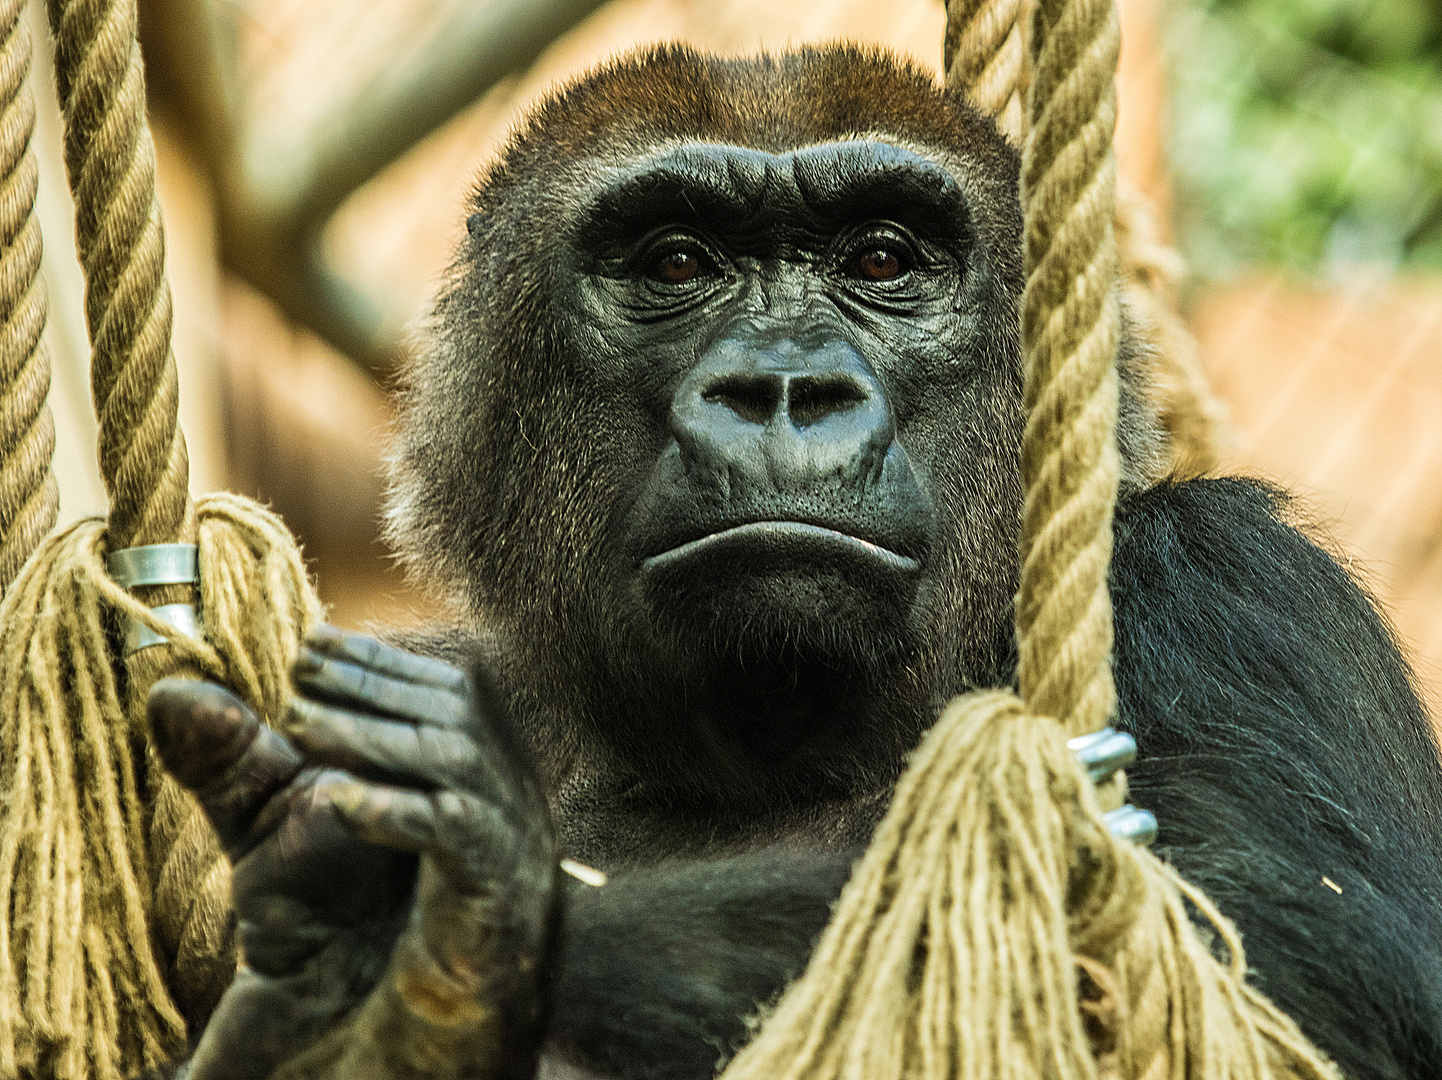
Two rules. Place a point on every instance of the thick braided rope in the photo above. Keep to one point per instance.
(1070, 321)
(29, 498)
(110, 159)
(986, 59)
(984, 55)
(1172, 1008)
(121, 240)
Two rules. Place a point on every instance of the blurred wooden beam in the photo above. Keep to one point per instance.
(277, 188)
(304, 175)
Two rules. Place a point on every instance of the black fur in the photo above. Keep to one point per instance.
(659, 972)
(1281, 745)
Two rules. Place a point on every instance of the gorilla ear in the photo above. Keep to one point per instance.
(474, 223)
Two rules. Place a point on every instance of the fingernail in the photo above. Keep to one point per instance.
(307, 661)
(324, 635)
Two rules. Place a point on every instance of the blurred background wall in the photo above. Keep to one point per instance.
(314, 155)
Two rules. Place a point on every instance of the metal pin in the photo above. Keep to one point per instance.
(183, 617)
(154, 564)
(1132, 823)
(1103, 752)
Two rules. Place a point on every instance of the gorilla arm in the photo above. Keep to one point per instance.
(360, 957)
(658, 974)
(1289, 762)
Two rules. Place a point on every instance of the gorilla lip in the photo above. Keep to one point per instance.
(783, 532)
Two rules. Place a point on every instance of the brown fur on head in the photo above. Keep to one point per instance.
(769, 102)
(656, 96)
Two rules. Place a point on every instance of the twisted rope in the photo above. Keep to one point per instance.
(91, 982)
(986, 60)
(110, 160)
(29, 499)
(1070, 321)
(120, 236)
(116, 935)
(984, 55)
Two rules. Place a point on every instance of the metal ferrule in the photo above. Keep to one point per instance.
(1132, 823)
(154, 564)
(1103, 752)
(183, 617)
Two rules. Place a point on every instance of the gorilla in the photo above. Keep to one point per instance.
(713, 442)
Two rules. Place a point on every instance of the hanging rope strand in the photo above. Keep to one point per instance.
(120, 235)
(116, 934)
(1069, 319)
(111, 163)
(29, 499)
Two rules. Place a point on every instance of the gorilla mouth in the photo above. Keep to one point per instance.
(778, 536)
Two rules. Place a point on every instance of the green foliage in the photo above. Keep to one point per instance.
(1308, 133)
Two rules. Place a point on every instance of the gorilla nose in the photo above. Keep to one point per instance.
(783, 415)
(801, 400)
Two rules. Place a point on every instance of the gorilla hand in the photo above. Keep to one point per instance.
(394, 869)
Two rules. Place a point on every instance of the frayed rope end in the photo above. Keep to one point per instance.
(996, 930)
(115, 923)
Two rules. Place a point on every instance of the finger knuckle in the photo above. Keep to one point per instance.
(454, 811)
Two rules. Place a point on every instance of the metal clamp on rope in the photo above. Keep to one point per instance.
(157, 564)
(183, 617)
(1102, 753)
(154, 564)
(1132, 823)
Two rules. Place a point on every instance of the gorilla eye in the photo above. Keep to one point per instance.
(676, 268)
(877, 264)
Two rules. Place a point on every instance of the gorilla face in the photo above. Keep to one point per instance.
(721, 413)
(762, 291)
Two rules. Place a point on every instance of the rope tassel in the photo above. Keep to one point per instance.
(115, 899)
(996, 930)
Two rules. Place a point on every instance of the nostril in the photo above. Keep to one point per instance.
(813, 398)
(752, 397)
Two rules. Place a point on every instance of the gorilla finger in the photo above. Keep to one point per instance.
(376, 748)
(306, 855)
(467, 837)
(201, 729)
(213, 744)
(341, 683)
(292, 1014)
(369, 652)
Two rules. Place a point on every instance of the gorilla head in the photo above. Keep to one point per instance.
(716, 427)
